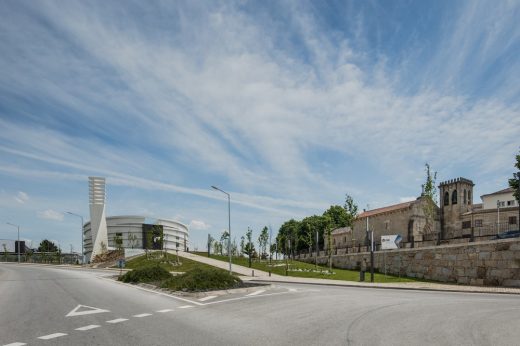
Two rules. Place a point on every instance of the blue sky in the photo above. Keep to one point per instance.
(288, 105)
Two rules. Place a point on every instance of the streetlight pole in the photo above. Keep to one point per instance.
(229, 224)
(81, 217)
(18, 227)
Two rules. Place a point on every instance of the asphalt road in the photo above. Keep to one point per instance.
(35, 302)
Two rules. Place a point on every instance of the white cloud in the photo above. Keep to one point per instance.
(199, 225)
(50, 215)
(21, 197)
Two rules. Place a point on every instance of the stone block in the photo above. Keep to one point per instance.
(463, 280)
(476, 282)
(484, 255)
(511, 283)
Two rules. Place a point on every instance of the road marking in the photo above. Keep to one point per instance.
(143, 315)
(206, 298)
(151, 291)
(89, 327)
(245, 297)
(51, 336)
(92, 310)
(185, 307)
(16, 344)
(255, 293)
(292, 290)
(117, 320)
(165, 310)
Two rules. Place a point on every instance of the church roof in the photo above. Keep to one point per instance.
(386, 209)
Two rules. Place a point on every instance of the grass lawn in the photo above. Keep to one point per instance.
(156, 258)
(278, 267)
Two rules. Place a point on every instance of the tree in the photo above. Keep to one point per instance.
(5, 252)
(263, 238)
(309, 234)
(250, 247)
(132, 240)
(223, 243)
(514, 182)
(118, 242)
(430, 196)
(242, 245)
(47, 246)
(351, 208)
(338, 216)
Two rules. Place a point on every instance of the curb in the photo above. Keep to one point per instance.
(430, 289)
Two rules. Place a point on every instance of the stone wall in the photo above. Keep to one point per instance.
(490, 263)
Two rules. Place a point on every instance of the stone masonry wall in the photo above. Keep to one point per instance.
(490, 263)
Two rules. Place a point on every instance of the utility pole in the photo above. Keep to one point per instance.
(317, 248)
(209, 243)
(498, 216)
(270, 251)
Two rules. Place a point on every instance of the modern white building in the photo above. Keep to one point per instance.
(135, 232)
(98, 226)
(500, 199)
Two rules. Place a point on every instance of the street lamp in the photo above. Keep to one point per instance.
(18, 227)
(229, 224)
(81, 217)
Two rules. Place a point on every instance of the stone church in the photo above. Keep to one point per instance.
(422, 223)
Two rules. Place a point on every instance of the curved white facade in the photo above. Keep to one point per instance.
(129, 228)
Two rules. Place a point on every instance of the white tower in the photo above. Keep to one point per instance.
(98, 223)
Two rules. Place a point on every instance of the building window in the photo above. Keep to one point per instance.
(466, 224)
(478, 223)
(465, 196)
(446, 198)
(454, 197)
(512, 220)
(334, 241)
(469, 197)
(344, 239)
(510, 203)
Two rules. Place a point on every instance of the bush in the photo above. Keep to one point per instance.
(146, 274)
(203, 279)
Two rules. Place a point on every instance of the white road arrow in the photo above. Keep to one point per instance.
(91, 310)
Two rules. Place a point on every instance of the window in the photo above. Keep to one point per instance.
(501, 204)
(344, 239)
(454, 197)
(465, 196)
(510, 203)
(512, 220)
(446, 198)
(469, 197)
(478, 223)
(466, 224)
(333, 241)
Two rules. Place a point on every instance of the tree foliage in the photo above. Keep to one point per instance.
(514, 182)
(430, 193)
(47, 246)
(249, 248)
(263, 239)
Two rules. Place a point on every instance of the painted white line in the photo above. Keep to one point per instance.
(185, 307)
(143, 315)
(206, 298)
(245, 297)
(151, 291)
(117, 320)
(89, 310)
(292, 290)
(165, 310)
(89, 327)
(51, 336)
(16, 344)
(255, 293)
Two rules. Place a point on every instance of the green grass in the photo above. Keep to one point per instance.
(202, 279)
(339, 274)
(156, 258)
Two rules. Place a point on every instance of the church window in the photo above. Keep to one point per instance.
(446, 198)
(512, 220)
(454, 197)
(469, 197)
(478, 223)
(466, 224)
(465, 196)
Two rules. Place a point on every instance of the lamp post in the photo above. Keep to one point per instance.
(18, 227)
(229, 224)
(81, 217)
(518, 200)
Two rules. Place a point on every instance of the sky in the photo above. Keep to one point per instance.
(286, 105)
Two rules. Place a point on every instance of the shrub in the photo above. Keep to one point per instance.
(146, 274)
(203, 279)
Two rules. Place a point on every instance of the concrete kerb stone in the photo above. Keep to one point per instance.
(445, 288)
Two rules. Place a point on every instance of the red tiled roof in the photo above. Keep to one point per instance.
(386, 209)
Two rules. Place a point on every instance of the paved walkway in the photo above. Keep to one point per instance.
(264, 277)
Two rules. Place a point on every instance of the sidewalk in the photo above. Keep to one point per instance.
(261, 276)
